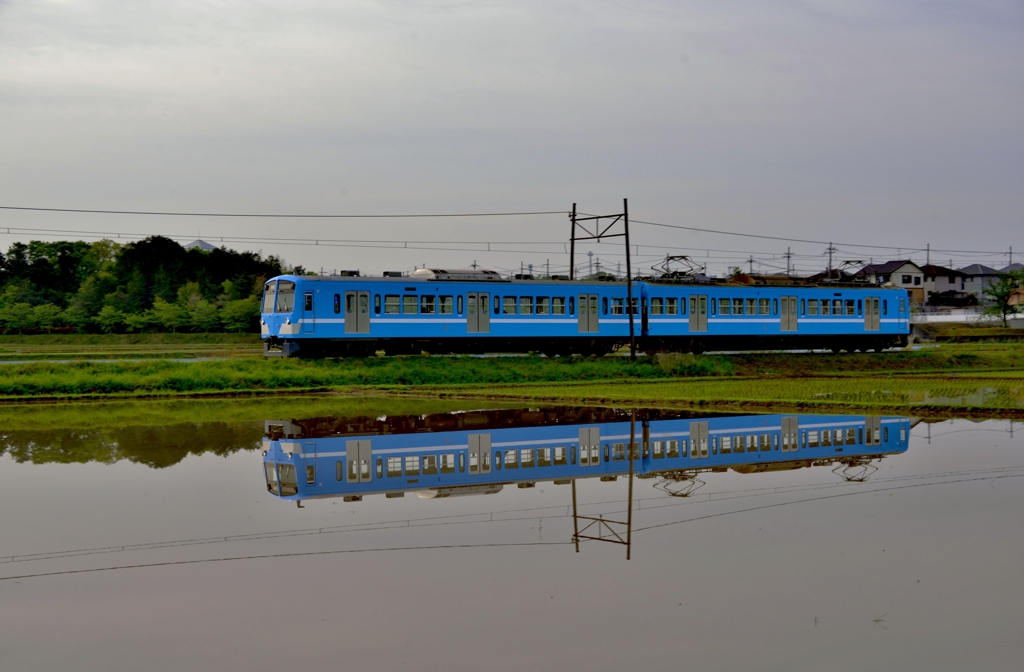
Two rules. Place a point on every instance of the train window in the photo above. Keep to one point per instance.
(462, 462)
(837, 307)
(763, 306)
(557, 305)
(430, 464)
(775, 306)
(448, 463)
(269, 297)
(460, 304)
(526, 305)
(376, 304)
(670, 306)
(337, 304)
(497, 305)
(860, 309)
(394, 466)
(560, 458)
(617, 307)
(380, 467)
(693, 303)
(543, 305)
(543, 457)
(392, 306)
(656, 306)
(901, 306)
(604, 305)
(751, 306)
(409, 304)
(412, 465)
(307, 303)
(671, 449)
(850, 310)
(885, 307)
(511, 461)
(714, 307)
(682, 306)
(803, 307)
(427, 304)
(339, 471)
(632, 307)
(572, 305)
(285, 296)
(310, 474)
(445, 304)
(526, 457)
(812, 306)
(509, 306)
(725, 306)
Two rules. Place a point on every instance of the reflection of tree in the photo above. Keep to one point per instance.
(156, 447)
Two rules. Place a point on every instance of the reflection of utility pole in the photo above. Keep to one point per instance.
(603, 525)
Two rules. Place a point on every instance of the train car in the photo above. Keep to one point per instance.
(481, 452)
(476, 311)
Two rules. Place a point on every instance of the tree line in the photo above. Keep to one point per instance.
(152, 285)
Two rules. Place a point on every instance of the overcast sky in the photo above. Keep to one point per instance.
(882, 123)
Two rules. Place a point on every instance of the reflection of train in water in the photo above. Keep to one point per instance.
(478, 452)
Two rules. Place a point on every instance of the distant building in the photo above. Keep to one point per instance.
(903, 273)
(1012, 268)
(944, 286)
(977, 278)
(201, 244)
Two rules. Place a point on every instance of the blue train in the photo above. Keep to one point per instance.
(478, 452)
(476, 311)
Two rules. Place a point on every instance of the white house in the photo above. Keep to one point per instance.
(904, 273)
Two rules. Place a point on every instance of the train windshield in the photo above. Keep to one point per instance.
(285, 296)
(269, 297)
(288, 479)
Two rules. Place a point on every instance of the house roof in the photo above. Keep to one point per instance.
(201, 244)
(978, 269)
(1011, 268)
(932, 269)
(886, 268)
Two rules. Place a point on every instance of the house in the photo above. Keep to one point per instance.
(201, 244)
(945, 287)
(1012, 268)
(903, 273)
(977, 278)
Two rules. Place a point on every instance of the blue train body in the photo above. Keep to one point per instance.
(477, 311)
(479, 452)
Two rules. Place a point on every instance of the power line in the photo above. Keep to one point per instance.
(280, 215)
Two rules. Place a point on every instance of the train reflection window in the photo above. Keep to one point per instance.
(726, 444)
(751, 306)
(497, 305)
(339, 471)
(557, 305)
(391, 304)
(337, 303)
(725, 306)
(656, 306)
(380, 467)
(285, 296)
(903, 434)
(763, 306)
(427, 305)
(619, 451)
(672, 448)
(310, 474)
(287, 476)
(885, 434)
(617, 307)
(776, 441)
(812, 306)
(572, 305)
(812, 438)
(460, 304)
(543, 457)
(526, 457)
(497, 459)
(394, 466)
(737, 443)
(851, 436)
(446, 304)
(851, 307)
(572, 454)
(703, 443)
(271, 470)
(510, 459)
(837, 438)
(485, 462)
(766, 442)
(510, 305)
(560, 455)
(837, 307)
(526, 305)
(429, 464)
(657, 449)
(412, 465)
(543, 305)
(409, 304)
(269, 297)
(826, 437)
(670, 306)
(448, 463)
(462, 462)
(860, 435)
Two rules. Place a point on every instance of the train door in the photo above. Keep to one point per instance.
(308, 318)
(872, 431)
(699, 439)
(789, 314)
(698, 313)
(479, 453)
(309, 463)
(872, 314)
(478, 317)
(590, 446)
(358, 456)
(588, 313)
(790, 434)
(357, 312)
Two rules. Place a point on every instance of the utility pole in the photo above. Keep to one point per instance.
(590, 262)
(1011, 255)
(751, 261)
(928, 253)
(831, 250)
(547, 268)
(789, 255)
(572, 245)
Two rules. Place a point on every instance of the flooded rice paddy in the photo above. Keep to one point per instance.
(377, 534)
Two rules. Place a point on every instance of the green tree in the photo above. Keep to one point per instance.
(109, 319)
(203, 316)
(46, 316)
(999, 293)
(241, 315)
(170, 316)
(136, 322)
(19, 316)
